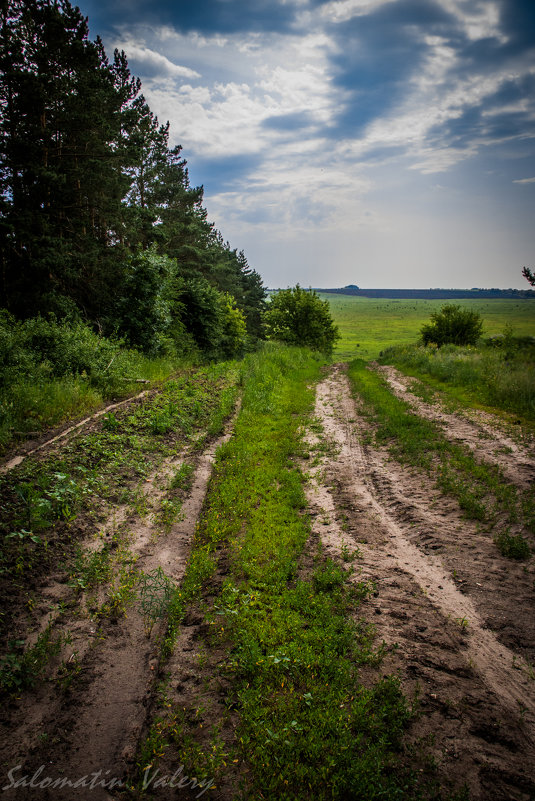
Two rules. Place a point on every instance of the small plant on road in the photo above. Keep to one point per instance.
(514, 546)
(155, 594)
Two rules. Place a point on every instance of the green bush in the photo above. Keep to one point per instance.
(299, 317)
(452, 325)
(233, 328)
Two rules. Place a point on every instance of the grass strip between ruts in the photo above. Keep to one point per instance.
(480, 488)
(306, 724)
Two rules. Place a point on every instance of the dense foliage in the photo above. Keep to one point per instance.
(298, 316)
(453, 325)
(98, 220)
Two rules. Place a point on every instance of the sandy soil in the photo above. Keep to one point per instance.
(456, 616)
(96, 725)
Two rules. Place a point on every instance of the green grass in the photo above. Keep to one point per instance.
(481, 489)
(514, 546)
(306, 724)
(500, 378)
(49, 503)
(31, 405)
(375, 324)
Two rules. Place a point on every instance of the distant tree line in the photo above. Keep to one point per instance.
(432, 294)
(98, 221)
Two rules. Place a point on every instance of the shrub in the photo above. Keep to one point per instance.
(299, 317)
(453, 325)
(234, 328)
(145, 313)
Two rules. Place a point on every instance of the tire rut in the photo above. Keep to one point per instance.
(96, 726)
(477, 700)
(481, 435)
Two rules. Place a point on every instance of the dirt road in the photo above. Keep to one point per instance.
(457, 618)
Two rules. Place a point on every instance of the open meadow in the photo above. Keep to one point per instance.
(369, 325)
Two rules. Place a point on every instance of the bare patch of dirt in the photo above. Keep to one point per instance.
(456, 617)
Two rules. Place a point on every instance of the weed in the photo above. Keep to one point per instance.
(155, 593)
(182, 477)
(328, 577)
(168, 513)
(513, 546)
(350, 555)
(110, 422)
(20, 669)
(90, 568)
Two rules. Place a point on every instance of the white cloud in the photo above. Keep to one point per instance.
(218, 116)
(479, 21)
(155, 61)
(524, 181)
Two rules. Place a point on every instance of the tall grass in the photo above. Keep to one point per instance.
(54, 371)
(500, 377)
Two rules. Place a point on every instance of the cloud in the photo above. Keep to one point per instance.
(311, 121)
(152, 63)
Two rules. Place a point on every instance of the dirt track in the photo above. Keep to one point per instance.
(97, 725)
(457, 617)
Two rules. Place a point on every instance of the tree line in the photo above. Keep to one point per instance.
(98, 220)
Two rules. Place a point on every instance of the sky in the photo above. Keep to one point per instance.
(382, 143)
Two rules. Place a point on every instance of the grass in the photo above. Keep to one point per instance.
(514, 546)
(20, 667)
(500, 378)
(50, 503)
(29, 406)
(370, 325)
(306, 724)
(481, 489)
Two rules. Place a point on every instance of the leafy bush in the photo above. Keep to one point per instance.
(144, 309)
(234, 328)
(299, 317)
(453, 325)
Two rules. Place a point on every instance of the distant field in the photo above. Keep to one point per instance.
(369, 325)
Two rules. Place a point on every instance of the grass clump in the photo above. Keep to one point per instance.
(514, 546)
(21, 667)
